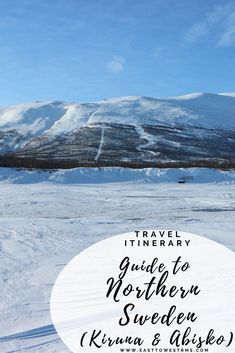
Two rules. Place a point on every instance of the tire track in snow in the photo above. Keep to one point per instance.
(33, 333)
(43, 337)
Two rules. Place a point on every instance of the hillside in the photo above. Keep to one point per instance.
(193, 130)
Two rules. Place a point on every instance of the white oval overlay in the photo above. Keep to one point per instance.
(148, 291)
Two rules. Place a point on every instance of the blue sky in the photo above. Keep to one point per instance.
(85, 50)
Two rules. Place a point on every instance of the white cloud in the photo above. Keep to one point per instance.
(220, 23)
(196, 32)
(228, 37)
(116, 64)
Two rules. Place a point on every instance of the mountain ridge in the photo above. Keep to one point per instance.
(189, 129)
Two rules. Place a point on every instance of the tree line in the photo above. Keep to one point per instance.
(37, 163)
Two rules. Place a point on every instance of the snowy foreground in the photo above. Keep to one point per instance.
(47, 218)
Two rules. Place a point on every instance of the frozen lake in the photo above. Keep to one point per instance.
(42, 226)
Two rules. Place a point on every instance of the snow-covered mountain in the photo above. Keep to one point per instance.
(196, 128)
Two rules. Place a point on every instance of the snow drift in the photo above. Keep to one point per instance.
(116, 175)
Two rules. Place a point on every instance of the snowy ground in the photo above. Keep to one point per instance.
(43, 225)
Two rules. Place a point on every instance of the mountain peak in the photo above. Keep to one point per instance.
(55, 117)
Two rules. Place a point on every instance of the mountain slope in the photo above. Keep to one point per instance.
(196, 129)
